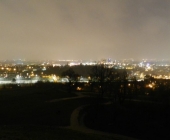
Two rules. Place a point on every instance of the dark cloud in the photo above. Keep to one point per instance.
(84, 29)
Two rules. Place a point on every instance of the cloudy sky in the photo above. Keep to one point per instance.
(84, 29)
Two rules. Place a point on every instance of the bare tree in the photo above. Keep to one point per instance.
(72, 77)
(101, 74)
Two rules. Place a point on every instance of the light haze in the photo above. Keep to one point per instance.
(84, 29)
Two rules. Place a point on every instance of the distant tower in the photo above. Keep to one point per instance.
(109, 60)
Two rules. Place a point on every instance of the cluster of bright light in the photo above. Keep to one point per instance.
(73, 64)
(89, 63)
(161, 76)
(56, 65)
(8, 68)
(151, 85)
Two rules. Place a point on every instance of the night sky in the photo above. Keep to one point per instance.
(84, 29)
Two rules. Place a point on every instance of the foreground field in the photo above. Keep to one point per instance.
(45, 111)
(39, 112)
(30, 132)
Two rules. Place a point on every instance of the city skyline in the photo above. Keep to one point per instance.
(87, 29)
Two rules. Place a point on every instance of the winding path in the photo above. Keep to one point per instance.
(77, 121)
(78, 125)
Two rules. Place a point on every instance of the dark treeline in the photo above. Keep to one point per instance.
(81, 70)
(114, 83)
(111, 82)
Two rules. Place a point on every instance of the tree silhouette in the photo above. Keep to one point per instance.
(72, 77)
(124, 79)
(101, 74)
